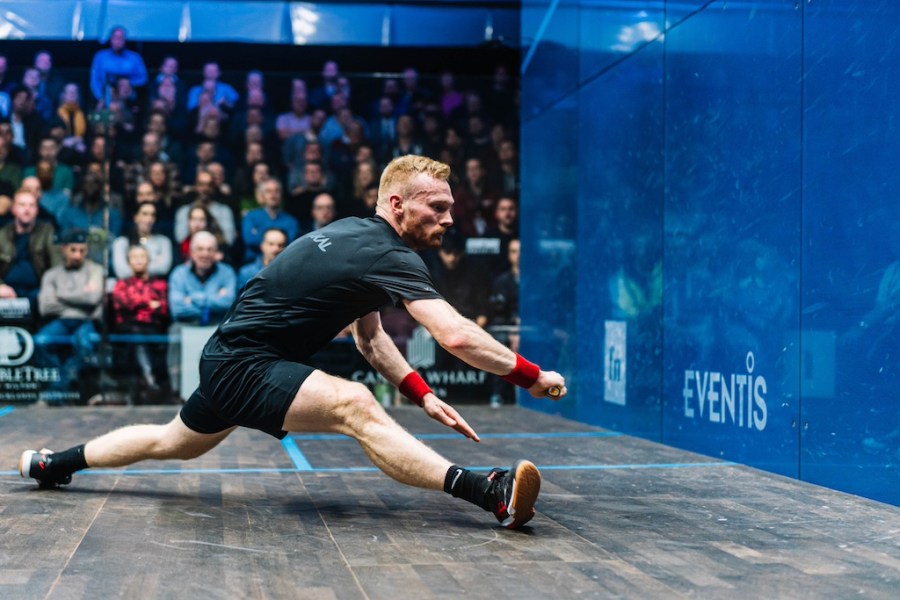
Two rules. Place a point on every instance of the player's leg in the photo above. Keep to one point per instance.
(329, 404)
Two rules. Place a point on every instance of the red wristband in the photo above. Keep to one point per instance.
(524, 374)
(414, 387)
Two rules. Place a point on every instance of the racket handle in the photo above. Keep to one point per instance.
(554, 392)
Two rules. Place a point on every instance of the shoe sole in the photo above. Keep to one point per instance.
(25, 464)
(526, 487)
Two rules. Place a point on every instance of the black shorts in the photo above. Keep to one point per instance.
(253, 393)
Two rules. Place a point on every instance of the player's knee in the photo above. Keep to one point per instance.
(360, 405)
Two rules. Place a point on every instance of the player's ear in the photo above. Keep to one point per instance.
(396, 203)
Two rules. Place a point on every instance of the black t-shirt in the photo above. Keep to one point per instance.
(321, 283)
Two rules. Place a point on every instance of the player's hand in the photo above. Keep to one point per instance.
(549, 384)
(442, 412)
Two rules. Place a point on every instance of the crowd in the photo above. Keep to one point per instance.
(146, 200)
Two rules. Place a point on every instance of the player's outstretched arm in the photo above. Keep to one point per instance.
(472, 344)
(379, 350)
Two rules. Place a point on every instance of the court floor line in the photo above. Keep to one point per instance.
(6, 410)
(459, 436)
(311, 469)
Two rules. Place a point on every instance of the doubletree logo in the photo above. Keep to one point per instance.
(16, 346)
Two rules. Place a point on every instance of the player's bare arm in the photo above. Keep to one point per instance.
(469, 342)
(379, 350)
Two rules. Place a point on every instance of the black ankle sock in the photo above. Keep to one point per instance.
(68, 461)
(462, 483)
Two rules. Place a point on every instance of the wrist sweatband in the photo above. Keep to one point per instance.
(414, 387)
(524, 374)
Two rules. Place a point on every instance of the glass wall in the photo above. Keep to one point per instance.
(737, 289)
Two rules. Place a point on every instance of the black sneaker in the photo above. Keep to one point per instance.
(35, 464)
(516, 491)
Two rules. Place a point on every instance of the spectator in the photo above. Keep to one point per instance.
(199, 219)
(43, 105)
(413, 97)
(139, 170)
(158, 247)
(4, 72)
(72, 116)
(50, 204)
(10, 172)
(323, 212)
(274, 241)
(504, 319)
(302, 196)
(141, 306)
(508, 156)
(203, 197)
(475, 200)
(27, 125)
(451, 99)
(406, 142)
(222, 95)
(63, 180)
(295, 122)
(27, 251)
(458, 282)
(268, 216)
(72, 295)
(115, 62)
(321, 95)
(88, 214)
(202, 289)
(383, 130)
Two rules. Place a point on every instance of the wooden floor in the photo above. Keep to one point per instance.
(618, 517)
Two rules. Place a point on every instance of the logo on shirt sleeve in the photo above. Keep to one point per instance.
(323, 241)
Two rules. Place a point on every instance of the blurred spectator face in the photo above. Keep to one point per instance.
(298, 85)
(218, 173)
(156, 124)
(47, 150)
(312, 175)
(197, 221)
(3, 65)
(330, 71)
(145, 192)
(203, 251)
(254, 81)
(474, 172)
(254, 153)
(70, 94)
(138, 260)
(145, 219)
(211, 128)
(410, 78)
(476, 126)
(123, 88)
(312, 153)
(254, 118)
(514, 252)
(32, 78)
(117, 39)
(74, 255)
(473, 102)
(98, 147)
(338, 101)
(150, 145)
(260, 173)
(271, 194)
(363, 154)
(90, 185)
(323, 210)
(211, 71)
(405, 126)
(25, 208)
(273, 243)
(204, 185)
(391, 88)
(385, 107)
(169, 66)
(256, 98)
(370, 197)
(22, 102)
(32, 185)
(205, 152)
(366, 174)
(507, 151)
(506, 212)
(157, 174)
(43, 62)
(452, 141)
